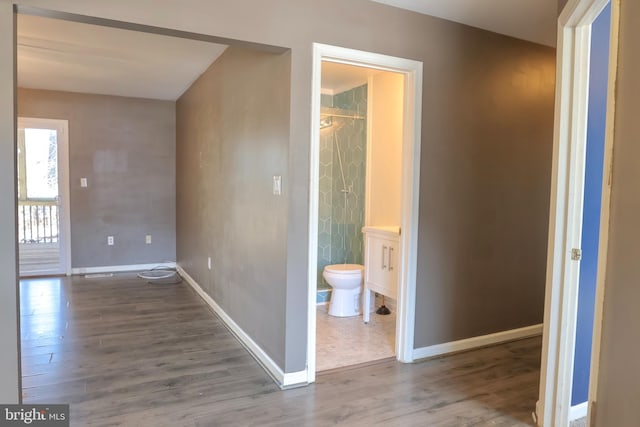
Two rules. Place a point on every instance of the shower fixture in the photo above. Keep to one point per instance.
(327, 114)
(326, 122)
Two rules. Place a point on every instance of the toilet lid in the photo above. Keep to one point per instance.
(344, 268)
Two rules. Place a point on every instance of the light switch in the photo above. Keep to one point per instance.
(83, 182)
(277, 185)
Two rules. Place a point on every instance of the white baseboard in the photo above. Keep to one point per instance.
(283, 380)
(294, 379)
(578, 411)
(475, 342)
(120, 268)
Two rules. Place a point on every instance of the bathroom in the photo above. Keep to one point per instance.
(359, 201)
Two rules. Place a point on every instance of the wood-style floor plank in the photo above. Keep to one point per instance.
(124, 352)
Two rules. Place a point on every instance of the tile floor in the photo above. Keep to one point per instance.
(345, 341)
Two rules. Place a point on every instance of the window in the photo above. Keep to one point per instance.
(37, 164)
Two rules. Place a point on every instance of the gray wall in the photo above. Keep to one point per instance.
(9, 335)
(125, 147)
(619, 377)
(232, 138)
(484, 190)
(471, 78)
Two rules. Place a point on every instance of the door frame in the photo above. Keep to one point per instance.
(565, 217)
(412, 127)
(62, 129)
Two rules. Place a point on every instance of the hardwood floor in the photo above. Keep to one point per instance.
(125, 352)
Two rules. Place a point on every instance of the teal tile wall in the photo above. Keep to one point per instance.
(340, 230)
(323, 296)
(325, 202)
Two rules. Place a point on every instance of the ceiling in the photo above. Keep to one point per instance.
(532, 20)
(338, 78)
(69, 56)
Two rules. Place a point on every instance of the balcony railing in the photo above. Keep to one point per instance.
(38, 222)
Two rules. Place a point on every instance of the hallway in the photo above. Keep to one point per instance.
(125, 352)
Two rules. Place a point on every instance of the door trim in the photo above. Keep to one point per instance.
(606, 210)
(567, 194)
(62, 129)
(412, 128)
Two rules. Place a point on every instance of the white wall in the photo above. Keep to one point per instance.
(384, 150)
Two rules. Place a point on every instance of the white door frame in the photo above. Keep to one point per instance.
(62, 129)
(412, 126)
(567, 193)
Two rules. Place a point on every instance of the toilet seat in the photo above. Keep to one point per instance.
(344, 268)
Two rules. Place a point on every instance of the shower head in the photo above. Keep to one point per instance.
(326, 122)
(328, 114)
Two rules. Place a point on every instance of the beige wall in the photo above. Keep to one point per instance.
(384, 150)
(125, 147)
(619, 378)
(486, 151)
(561, 4)
(233, 131)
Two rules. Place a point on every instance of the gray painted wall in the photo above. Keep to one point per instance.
(125, 147)
(10, 349)
(619, 378)
(484, 189)
(232, 138)
(471, 81)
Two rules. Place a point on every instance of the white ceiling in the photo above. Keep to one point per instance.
(70, 56)
(338, 78)
(532, 20)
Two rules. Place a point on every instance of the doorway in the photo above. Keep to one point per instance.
(574, 210)
(359, 204)
(594, 161)
(409, 154)
(43, 197)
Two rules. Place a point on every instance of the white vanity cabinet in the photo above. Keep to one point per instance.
(381, 257)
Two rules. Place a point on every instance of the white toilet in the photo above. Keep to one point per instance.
(346, 281)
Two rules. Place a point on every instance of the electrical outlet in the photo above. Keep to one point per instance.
(110, 240)
(83, 182)
(209, 263)
(147, 239)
